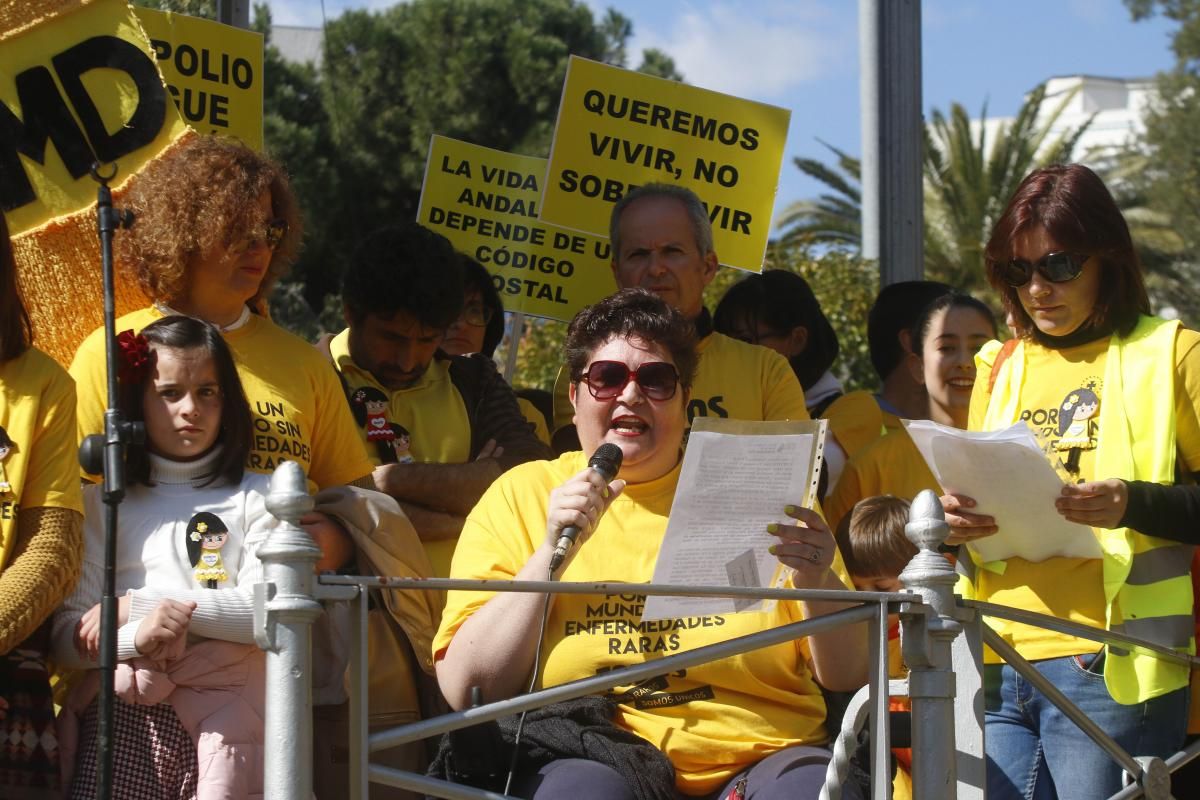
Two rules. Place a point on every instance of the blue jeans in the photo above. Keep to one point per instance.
(1036, 752)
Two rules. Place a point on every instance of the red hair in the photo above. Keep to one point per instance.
(1076, 209)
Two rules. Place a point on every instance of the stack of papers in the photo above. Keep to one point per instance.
(1010, 479)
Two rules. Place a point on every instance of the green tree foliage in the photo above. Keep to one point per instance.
(968, 179)
(355, 133)
(1165, 175)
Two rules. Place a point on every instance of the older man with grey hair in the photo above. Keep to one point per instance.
(662, 240)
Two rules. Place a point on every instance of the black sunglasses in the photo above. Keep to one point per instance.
(1054, 267)
(658, 380)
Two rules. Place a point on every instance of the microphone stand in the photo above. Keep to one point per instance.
(118, 434)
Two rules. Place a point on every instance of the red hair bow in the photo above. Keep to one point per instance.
(133, 357)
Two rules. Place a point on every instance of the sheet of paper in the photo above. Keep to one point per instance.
(1009, 478)
(731, 486)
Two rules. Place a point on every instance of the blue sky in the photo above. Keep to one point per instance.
(803, 54)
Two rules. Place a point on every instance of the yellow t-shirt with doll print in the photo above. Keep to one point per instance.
(1060, 399)
(712, 721)
(437, 429)
(298, 410)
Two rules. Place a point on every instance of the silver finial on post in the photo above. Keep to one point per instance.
(289, 499)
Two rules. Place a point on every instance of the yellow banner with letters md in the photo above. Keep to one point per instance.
(485, 202)
(214, 72)
(618, 129)
(74, 89)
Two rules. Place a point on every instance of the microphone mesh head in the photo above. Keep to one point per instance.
(607, 460)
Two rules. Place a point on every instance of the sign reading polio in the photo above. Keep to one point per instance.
(618, 129)
(214, 72)
(486, 203)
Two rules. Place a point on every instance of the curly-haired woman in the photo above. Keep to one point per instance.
(216, 227)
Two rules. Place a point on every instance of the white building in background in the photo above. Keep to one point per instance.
(1119, 106)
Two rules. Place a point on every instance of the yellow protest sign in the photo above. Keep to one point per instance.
(485, 202)
(213, 71)
(618, 129)
(75, 88)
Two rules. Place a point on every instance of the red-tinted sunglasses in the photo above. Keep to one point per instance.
(658, 380)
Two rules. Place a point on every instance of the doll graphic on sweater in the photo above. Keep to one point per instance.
(206, 534)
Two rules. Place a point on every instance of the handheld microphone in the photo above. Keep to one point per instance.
(606, 461)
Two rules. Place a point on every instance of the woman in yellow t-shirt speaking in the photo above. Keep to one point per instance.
(1109, 392)
(750, 725)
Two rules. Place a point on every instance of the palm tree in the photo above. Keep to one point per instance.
(970, 172)
(969, 180)
(833, 218)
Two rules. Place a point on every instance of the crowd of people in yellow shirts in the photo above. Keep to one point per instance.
(425, 462)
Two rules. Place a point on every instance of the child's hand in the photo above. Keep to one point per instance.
(965, 525)
(337, 548)
(1100, 504)
(162, 634)
(87, 631)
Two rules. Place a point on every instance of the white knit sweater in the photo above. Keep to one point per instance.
(152, 560)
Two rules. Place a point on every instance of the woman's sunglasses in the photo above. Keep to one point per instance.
(658, 380)
(1054, 267)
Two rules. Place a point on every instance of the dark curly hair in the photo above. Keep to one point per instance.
(406, 268)
(203, 193)
(1077, 210)
(632, 314)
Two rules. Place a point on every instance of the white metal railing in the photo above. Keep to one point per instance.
(942, 642)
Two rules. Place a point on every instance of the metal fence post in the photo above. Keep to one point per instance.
(926, 640)
(284, 611)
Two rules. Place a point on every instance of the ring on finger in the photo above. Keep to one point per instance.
(815, 556)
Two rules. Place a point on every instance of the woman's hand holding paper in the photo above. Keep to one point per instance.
(965, 526)
(808, 547)
(1100, 504)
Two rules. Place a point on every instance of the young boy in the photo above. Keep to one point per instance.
(875, 551)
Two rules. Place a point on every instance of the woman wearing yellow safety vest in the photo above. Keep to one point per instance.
(1110, 392)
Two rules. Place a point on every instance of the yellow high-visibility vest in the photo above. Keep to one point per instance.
(1147, 580)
